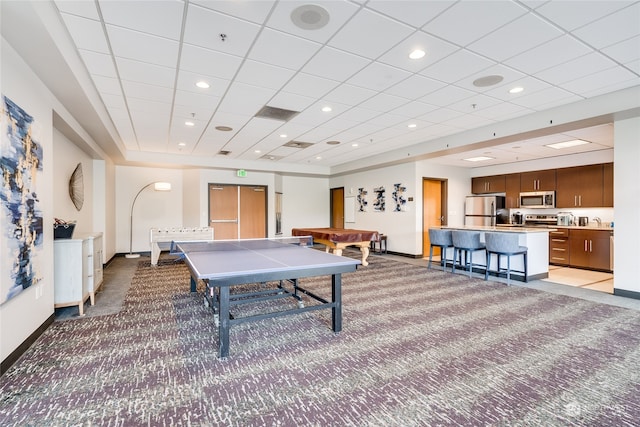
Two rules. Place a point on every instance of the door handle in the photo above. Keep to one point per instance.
(441, 218)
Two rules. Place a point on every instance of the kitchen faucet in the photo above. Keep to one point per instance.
(598, 221)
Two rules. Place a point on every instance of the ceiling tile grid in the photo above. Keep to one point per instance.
(145, 59)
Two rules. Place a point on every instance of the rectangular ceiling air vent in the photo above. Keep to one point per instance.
(275, 113)
(298, 144)
(224, 152)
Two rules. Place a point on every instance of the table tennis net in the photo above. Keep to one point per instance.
(182, 247)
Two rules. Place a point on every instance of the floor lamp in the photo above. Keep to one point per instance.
(158, 186)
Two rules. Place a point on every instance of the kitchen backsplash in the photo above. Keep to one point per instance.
(605, 214)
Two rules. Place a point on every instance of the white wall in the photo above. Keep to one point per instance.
(627, 204)
(305, 203)
(23, 314)
(152, 208)
(66, 156)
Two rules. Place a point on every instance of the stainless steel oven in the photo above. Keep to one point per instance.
(538, 199)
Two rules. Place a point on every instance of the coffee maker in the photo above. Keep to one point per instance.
(517, 218)
(565, 218)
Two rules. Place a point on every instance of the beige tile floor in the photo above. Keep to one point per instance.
(586, 279)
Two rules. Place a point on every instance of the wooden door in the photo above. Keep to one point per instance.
(337, 207)
(433, 210)
(223, 211)
(238, 212)
(253, 221)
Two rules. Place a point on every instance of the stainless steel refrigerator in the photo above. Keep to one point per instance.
(485, 211)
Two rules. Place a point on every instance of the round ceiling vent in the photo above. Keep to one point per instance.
(310, 17)
(487, 81)
(224, 128)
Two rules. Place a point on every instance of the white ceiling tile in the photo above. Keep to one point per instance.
(98, 64)
(245, 99)
(447, 96)
(612, 29)
(266, 75)
(308, 85)
(86, 9)
(291, 101)
(411, 12)
(142, 47)
(547, 55)
(440, 115)
(415, 87)
(113, 101)
(633, 66)
(576, 68)
(378, 77)
(162, 18)
(529, 84)
(283, 50)
(616, 82)
(435, 49)
(256, 129)
(200, 23)
(474, 103)
(86, 33)
(145, 108)
(147, 92)
(339, 13)
(571, 15)
(250, 10)
(201, 104)
(601, 79)
(536, 100)
(349, 94)
(383, 102)
(208, 62)
(107, 85)
(370, 34)
(467, 21)
(626, 51)
(359, 115)
(142, 72)
(457, 66)
(323, 64)
(413, 109)
(520, 35)
(502, 111)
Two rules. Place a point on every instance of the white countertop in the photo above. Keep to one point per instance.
(500, 228)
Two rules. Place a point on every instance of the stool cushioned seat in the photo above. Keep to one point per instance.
(467, 241)
(504, 244)
(442, 239)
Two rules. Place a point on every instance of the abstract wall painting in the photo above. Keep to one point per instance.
(399, 198)
(378, 203)
(21, 225)
(362, 200)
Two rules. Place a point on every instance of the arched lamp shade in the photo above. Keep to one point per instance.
(158, 186)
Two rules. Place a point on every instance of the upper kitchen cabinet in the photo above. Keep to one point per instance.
(607, 191)
(512, 190)
(488, 184)
(580, 187)
(544, 180)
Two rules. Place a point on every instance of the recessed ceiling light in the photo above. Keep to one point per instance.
(478, 159)
(318, 158)
(224, 128)
(487, 81)
(417, 54)
(203, 85)
(182, 144)
(412, 125)
(516, 89)
(283, 135)
(188, 123)
(257, 151)
(326, 109)
(355, 144)
(567, 144)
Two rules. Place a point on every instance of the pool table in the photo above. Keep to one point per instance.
(339, 238)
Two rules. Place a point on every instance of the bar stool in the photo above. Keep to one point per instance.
(467, 241)
(504, 244)
(442, 239)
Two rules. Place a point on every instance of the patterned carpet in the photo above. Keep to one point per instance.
(418, 348)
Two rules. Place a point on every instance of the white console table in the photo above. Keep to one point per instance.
(159, 236)
(78, 270)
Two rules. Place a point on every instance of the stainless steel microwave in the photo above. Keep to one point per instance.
(538, 199)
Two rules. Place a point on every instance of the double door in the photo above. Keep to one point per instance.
(238, 211)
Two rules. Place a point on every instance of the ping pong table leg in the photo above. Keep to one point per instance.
(336, 296)
(223, 328)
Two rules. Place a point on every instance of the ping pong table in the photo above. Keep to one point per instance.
(223, 264)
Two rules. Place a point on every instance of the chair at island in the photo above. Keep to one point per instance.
(440, 239)
(467, 242)
(504, 244)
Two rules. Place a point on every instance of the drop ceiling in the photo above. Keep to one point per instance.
(145, 58)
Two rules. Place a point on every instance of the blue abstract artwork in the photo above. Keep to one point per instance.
(21, 228)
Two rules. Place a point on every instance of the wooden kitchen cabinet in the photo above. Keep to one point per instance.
(512, 190)
(488, 184)
(590, 249)
(544, 180)
(78, 270)
(607, 190)
(580, 187)
(559, 246)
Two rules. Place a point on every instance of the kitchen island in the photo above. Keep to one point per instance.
(536, 239)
